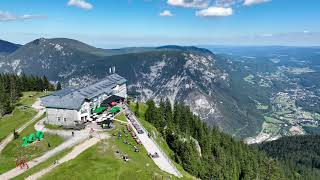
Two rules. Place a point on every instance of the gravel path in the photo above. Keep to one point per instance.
(66, 134)
(80, 137)
(73, 154)
(163, 162)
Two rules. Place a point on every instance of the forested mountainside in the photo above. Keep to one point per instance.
(206, 152)
(184, 74)
(299, 154)
(12, 86)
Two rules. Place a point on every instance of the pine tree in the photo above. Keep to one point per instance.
(12, 86)
(3, 99)
(14, 92)
(137, 109)
(168, 114)
(46, 84)
(58, 86)
(222, 157)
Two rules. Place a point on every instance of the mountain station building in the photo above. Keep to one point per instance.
(72, 106)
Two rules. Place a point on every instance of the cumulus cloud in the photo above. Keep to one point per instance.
(253, 2)
(189, 3)
(80, 4)
(215, 12)
(166, 13)
(7, 16)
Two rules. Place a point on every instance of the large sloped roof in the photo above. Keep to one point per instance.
(73, 98)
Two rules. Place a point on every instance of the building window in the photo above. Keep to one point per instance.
(65, 119)
(58, 119)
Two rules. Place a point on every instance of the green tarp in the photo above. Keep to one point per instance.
(114, 109)
(31, 138)
(99, 110)
(39, 135)
(24, 141)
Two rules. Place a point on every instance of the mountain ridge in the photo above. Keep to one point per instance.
(181, 73)
(7, 47)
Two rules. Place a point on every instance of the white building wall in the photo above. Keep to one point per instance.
(120, 90)
(68, 117)
(63, 117)
(84, 112)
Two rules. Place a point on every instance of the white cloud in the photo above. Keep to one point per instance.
(7, 16)
(215, 12)
(189, 3)
(227, 3)
(166, 13)
(80, 4)
(253, 2)
(267, 35)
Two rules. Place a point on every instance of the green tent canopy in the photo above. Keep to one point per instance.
(99, 110)
(115, 109)
(39, 135)
(31, 138)
(24, 141)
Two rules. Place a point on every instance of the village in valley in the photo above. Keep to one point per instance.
(286, 114)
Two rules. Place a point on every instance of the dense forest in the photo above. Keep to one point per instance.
(206, 152)
(299, 154)
(12, 86)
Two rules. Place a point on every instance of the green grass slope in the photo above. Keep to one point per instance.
(103, 162)
(13, 149)
(20, 115)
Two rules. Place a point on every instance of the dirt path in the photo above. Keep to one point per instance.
(9, 138)
(80, 137)
(73, 154)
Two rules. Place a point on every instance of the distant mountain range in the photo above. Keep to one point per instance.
(7, 47)
(216, 87)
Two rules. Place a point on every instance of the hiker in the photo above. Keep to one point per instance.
(72, 134)
(49, 145)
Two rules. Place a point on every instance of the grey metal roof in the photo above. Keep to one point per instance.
(72, 98)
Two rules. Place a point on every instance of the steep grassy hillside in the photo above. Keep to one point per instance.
(102, 161)
(14, 150)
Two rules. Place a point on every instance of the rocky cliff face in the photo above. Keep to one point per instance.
(187, 77)
(183, 74)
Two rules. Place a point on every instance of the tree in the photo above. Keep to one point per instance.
(12, 86)
(206, 152)
(14, 92)
(46, 84)
(149, 115)
(58, 86)
(15, 134)
(137, 109)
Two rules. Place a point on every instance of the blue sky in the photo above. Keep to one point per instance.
(117, 23)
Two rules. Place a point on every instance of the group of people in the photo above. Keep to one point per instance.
(21, 163)
(154, 155)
